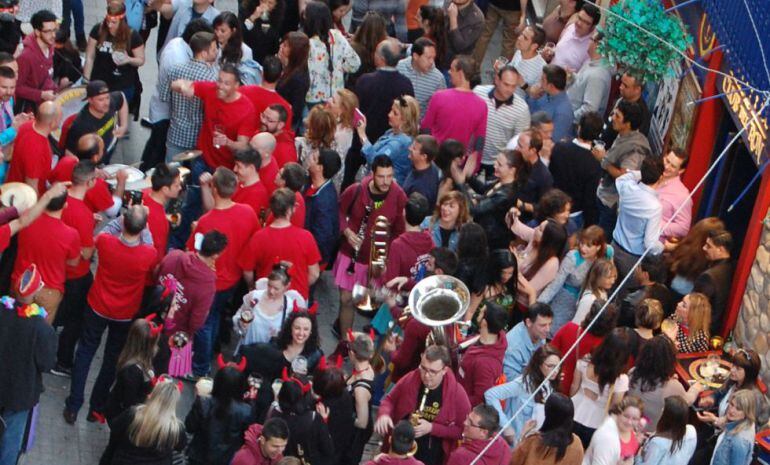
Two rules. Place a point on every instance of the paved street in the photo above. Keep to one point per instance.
(58, 443)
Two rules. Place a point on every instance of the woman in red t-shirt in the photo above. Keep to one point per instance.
(570, 332)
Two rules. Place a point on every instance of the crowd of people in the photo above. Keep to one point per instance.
(291, 149)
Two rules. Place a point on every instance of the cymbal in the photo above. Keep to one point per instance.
(17, 194)
(187, 155)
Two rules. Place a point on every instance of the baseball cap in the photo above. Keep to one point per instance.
(95, 88)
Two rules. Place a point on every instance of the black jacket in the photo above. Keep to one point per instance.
(376, 92)
(308, 432)
(120, 451)
(491, 208)
(132, 386)
(216, 440)
(27, 350)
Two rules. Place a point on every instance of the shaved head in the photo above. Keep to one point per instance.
(263, 142)
(48, 113)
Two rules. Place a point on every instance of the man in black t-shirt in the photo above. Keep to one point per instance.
(106, 115)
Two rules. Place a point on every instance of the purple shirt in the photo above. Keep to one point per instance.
(571, 51)
(671, 195)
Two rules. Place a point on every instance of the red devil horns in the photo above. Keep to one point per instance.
(150, 317)
(313, 309)
(322, 363)
(285, 374)
(240, 366)
(338, 363)
(296, 308)
(155, 329)
(351, 336)
(371, 334)
(164, 379)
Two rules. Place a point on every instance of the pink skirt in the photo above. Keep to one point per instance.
(180, 363)
(343, 279)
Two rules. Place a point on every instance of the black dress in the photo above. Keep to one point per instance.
(340, 423)
(309, 438)
(360, 436)
(216, 438)
(132, 386)
(124, 77)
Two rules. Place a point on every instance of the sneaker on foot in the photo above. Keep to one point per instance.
(61, 370)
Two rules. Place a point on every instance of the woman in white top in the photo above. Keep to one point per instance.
(601, 277)
(674, 440)
(264, 309)
(616, 441)
(600, 382)
(343, 106)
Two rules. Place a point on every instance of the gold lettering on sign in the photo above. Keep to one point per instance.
(745, 108)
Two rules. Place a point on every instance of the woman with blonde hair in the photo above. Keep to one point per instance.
(451, 212)
(736, 443)
(692, 319)
(149, 433)
(404, 126)
(601, 277)
(343, 106)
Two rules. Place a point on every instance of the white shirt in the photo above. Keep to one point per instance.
(639, 214)
(174, 53)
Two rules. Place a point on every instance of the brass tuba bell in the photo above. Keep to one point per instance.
(440, 301)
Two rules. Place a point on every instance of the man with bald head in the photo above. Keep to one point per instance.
(376, 92)
(32, 153)
(264, 143)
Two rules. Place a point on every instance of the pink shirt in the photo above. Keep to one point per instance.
(456, 114)
(628, 449)
(571, 51)
(671, 195)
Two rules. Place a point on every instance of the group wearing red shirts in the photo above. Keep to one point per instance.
(262, 98)
(292, 244)
(298, 217)
(255, 196)
(32, 157)
(285, 150)
(238, 223)
(98, 198)
(236, 118)
(78, 215)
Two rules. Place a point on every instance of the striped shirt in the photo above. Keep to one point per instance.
(186, 115)
(424, 84)
(503, 121)
(530, 69)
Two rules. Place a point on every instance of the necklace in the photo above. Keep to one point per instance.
(363, 370)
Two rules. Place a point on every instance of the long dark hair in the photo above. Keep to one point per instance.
(472, 254)
(673, 422)
(556, 432)
(439, 25)
(318, 22)
(232, 51)
(747, 359)
(299, 49)
(610, 358)
(551, 245)
(501, 259)
(229, 386)
(292, 400)
(121, 40)
(372, 31)
(448, 152)
(532, 373)
(655, 363)
(284, 338)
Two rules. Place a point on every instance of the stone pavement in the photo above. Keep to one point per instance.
(58, 443)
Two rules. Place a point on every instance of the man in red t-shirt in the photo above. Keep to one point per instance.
(229, 119)
(78, 215)
(98, 198)
(275, 120)
(113, 301)
(283, 241)
(264, 144)
(265, 95)
(251, 190)
(13, 219)
(51, 245)
(293, 177)
(166, 184)
(31, 163)
(237, 222)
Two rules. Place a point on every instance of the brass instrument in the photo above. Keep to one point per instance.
(416, 416)
(367, 298)
(361, 234)
(440, 301)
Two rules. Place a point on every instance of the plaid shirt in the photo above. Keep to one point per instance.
(186, 115)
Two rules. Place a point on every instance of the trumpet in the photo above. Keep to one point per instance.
(367, 298)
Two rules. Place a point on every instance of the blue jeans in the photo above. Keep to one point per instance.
(203, 343)
(608, 216)
(74, 7)
(93, 328)
(193, 205)
(10, 442)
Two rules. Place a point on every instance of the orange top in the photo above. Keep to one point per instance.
(411, 13)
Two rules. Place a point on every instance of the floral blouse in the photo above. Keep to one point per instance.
(324, 84)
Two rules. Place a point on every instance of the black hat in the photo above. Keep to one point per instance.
(5, 4)
(95, 88)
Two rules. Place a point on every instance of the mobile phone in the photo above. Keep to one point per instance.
(357, 117)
